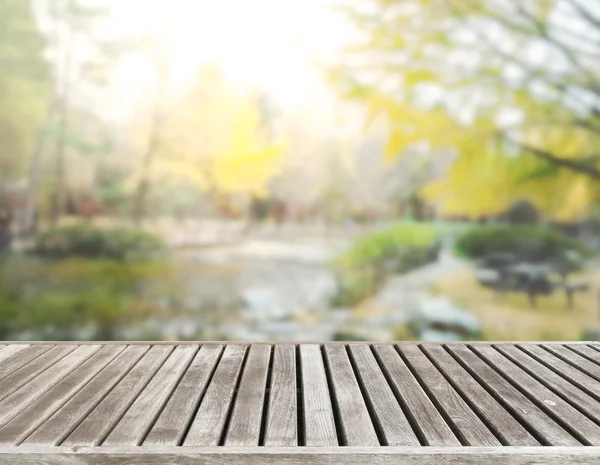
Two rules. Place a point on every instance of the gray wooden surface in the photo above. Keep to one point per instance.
(210, 402)
(301, 456)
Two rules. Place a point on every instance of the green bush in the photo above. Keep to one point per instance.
(529, 243)
(362, 269)
(395, 243)
(344, 336)
(87, 241)
(55, 299)
(522, 212)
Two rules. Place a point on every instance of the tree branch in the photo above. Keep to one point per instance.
(514, 59)
(544, 33)
(585, 13)
(572, 165)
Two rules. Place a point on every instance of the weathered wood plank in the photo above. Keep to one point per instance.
(497, 418)
(208, 424)
(36, 413)
(26, 373)
(133, 426)
(466, 424)
(29, 393)
(579, 362)
(61, 423)
(538, 417)
(281, 428)
(432, 427)
(179, 411)
(100, 421)
(567, 371)
(586, 351)
(315, 395)
(389, 418)
(537, 379)
(303, 456)
(319, 423)
(356, 425)
(11, 350)
(21, 357)
(247, 414)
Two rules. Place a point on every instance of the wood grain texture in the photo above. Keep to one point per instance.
(388, 414)
(563, 400)
(61, 423)
(133, 426)
(574, 359)
(26, 373)
(431, 426)
(298, 403)
(52, 400)
(466, 424)
(304, 456)
(209, 422)
(585, 351)
(173, 421)
(537, 418)
(281, 428)
(18, 358)
(11, 350)
(356, 425)
(29, 393)
(319, 422)
(247, 414)
(101, 420)
(498, 419)
(564, 369)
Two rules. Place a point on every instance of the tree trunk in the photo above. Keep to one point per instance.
(139, 205)
(6, 215)
(28, 226)
(63, 70)
(58, 195)
(140, 200)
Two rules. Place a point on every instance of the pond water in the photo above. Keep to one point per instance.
(268, 290)
(259, 290)
(265, 290)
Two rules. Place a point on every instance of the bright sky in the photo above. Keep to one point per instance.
(267, 42)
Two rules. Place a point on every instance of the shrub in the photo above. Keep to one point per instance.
(55, 299)
(589, 334)
(522, 212)
(362, 269)
(399, 242)
(87, 241)
(343, 336)
(529, 243)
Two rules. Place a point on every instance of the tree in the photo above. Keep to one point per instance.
(214, 138)
(24, 89)
(81, 52)
(512, 87)
(154, 138)
(304, 173)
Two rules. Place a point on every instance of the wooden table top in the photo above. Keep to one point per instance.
(82, 402)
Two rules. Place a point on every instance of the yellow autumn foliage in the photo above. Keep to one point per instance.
(412, 44)
(214, 138)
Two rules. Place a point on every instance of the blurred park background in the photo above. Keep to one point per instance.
(307, 170)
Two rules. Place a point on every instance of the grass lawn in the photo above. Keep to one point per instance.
(512, 318)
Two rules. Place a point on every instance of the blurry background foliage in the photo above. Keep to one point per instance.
(340, 166)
